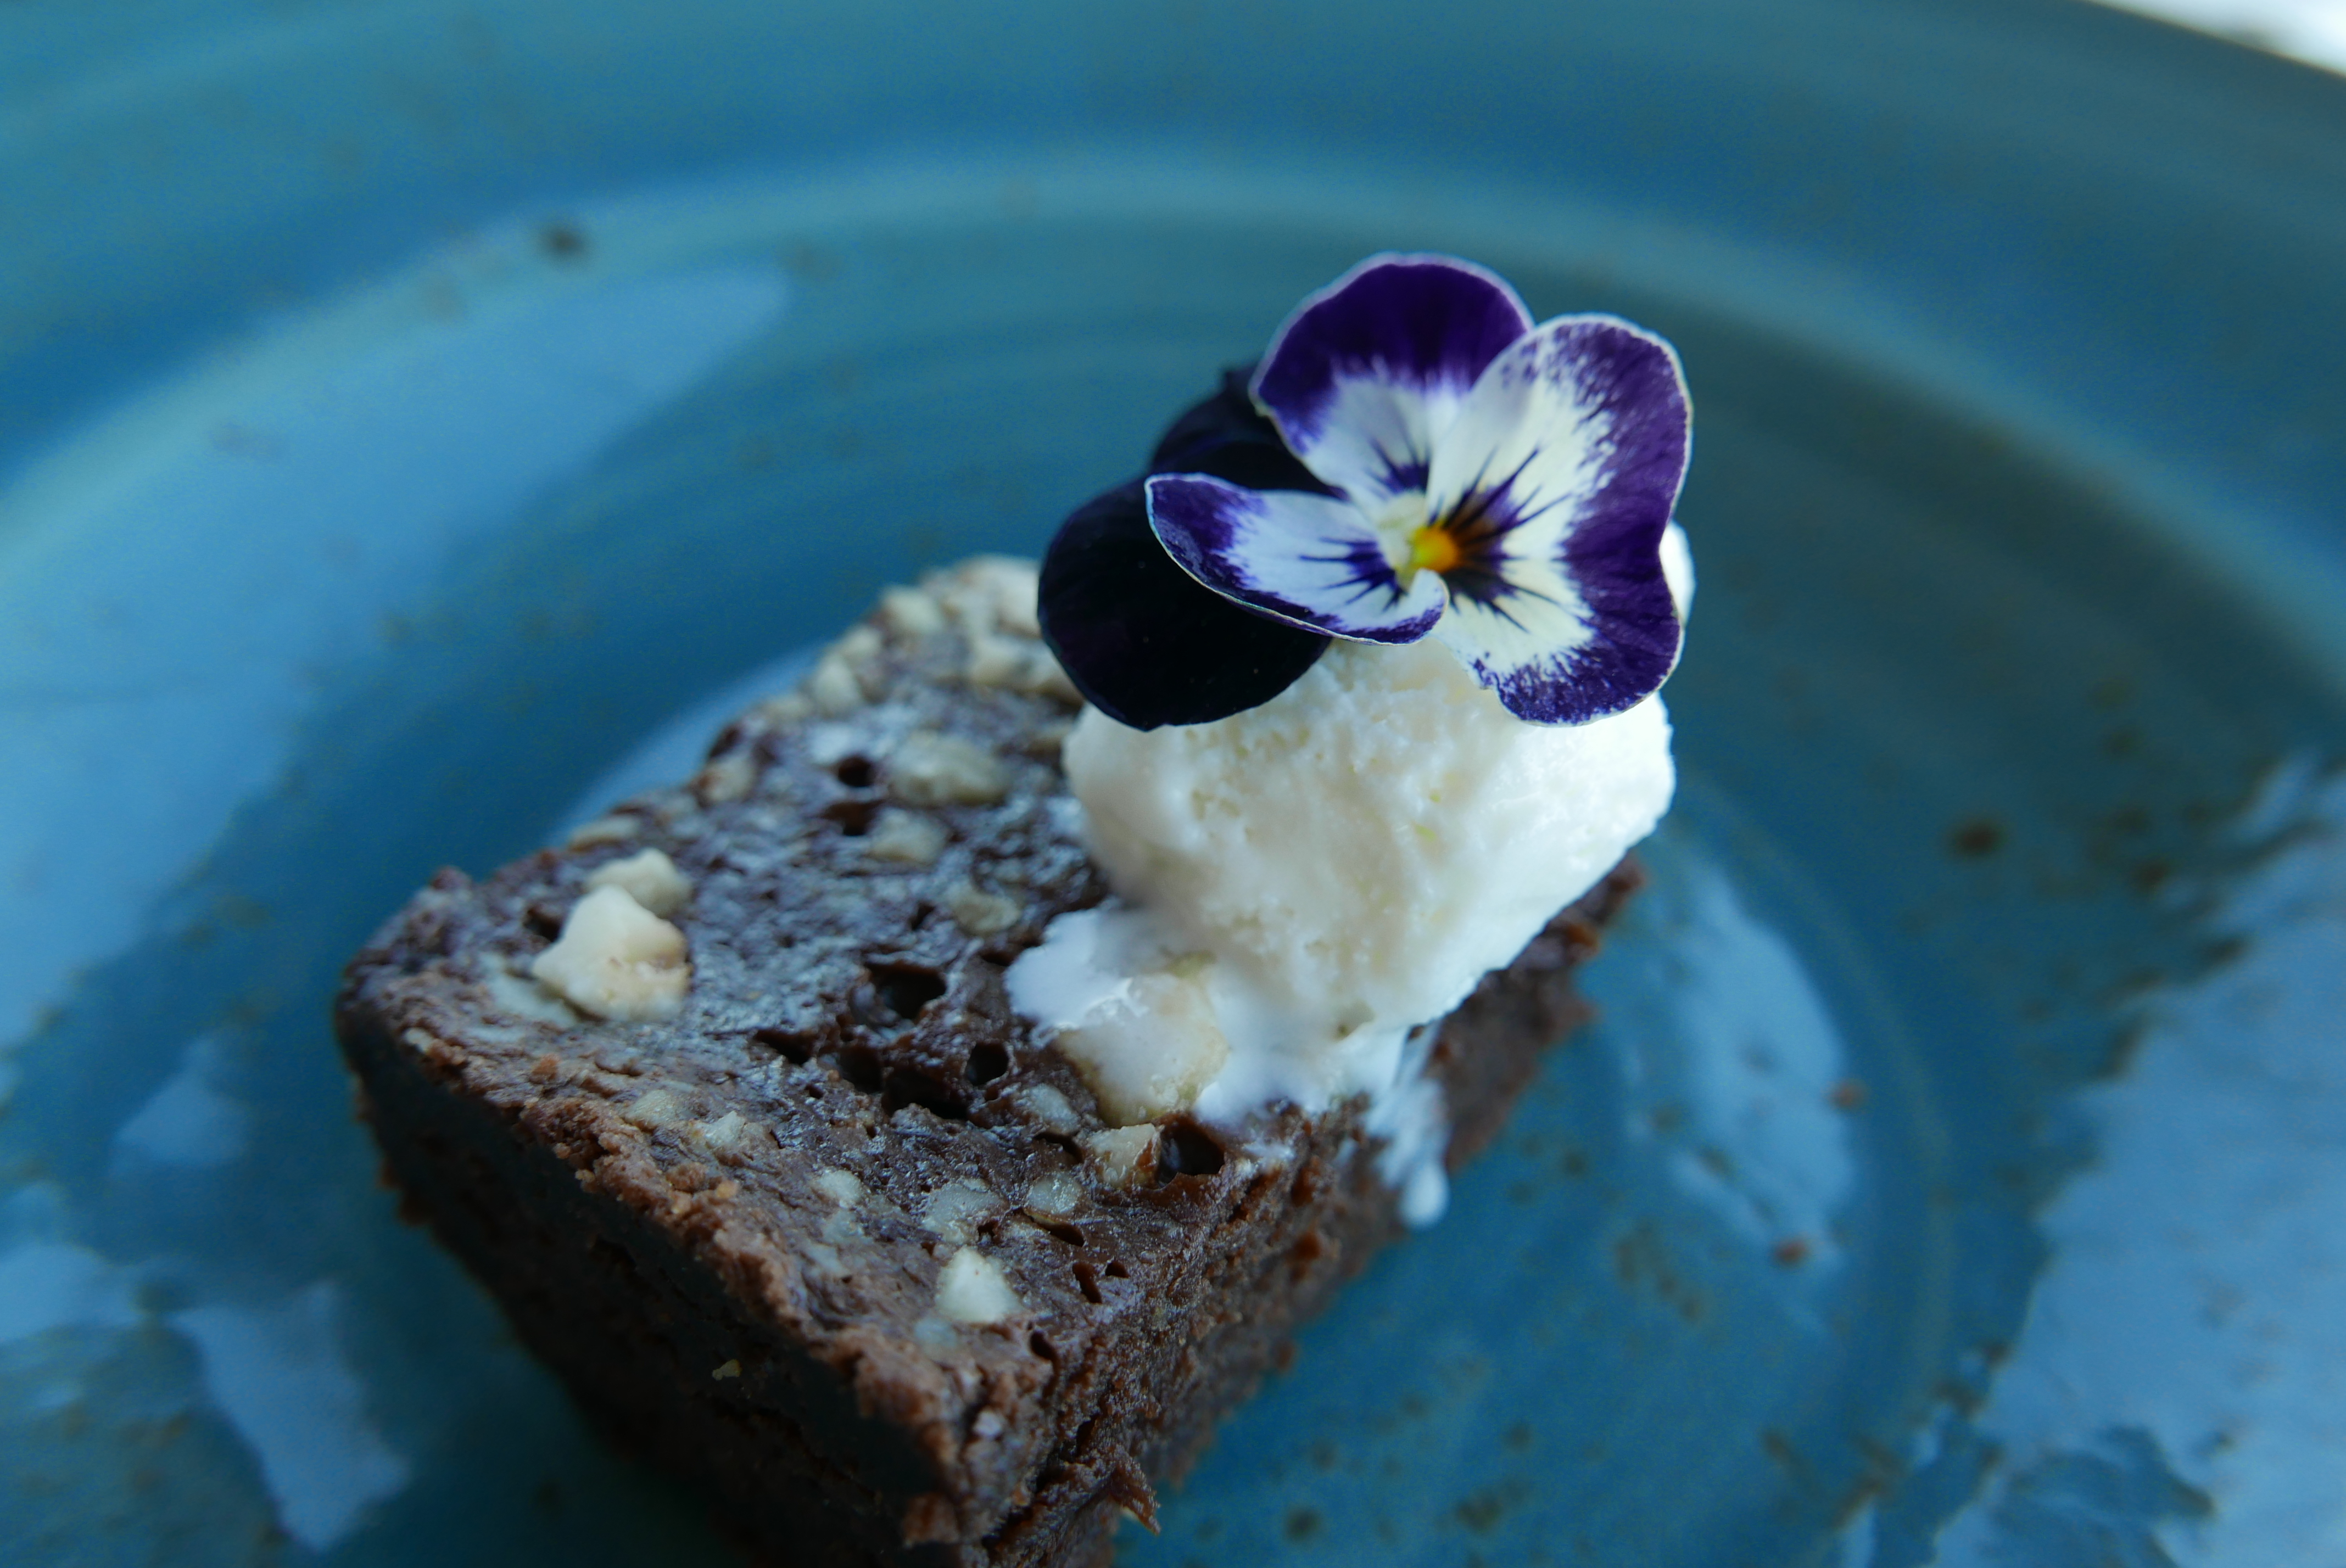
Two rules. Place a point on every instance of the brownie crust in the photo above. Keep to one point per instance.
(727, 1229)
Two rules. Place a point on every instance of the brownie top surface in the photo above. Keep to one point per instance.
(845, 1100)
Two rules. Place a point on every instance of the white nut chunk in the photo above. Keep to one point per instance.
(657, 1107)
(906, 837)
(726, 779)
(974, 1289)
(843, 1187)
(956, 1209)
(616, 829)
(649, 878)
(977, 911)
(932, 769)
(993, 592)
(1148, 1052)
(616, 960)
(910, 613)
(1121, 1157)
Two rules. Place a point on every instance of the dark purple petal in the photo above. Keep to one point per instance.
(1557, 481)
(1311, 560)
(1226, 436)
(1365, 377)
(1145, 642)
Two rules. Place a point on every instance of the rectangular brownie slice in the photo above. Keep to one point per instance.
(755, 1153)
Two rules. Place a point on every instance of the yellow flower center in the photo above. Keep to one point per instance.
(1432, 548)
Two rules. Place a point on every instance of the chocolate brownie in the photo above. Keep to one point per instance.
(725, 1101)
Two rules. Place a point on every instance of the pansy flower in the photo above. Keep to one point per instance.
(1413, 457)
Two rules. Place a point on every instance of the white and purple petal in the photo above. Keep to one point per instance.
(1365, 377)
(1311, 561)
(1557, 481)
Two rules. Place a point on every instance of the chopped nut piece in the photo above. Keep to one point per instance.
(955, 1210)
(722, 1136)
(844, 1187)
(726, 780)
(974, 1289)
(1050, 1108)
(995, 660)
(615, 959)
(789, 707)
(905, 835)
(656, 1108)
(994, 592)
(1055, 1193)
(1121, 1157)
(834, 687)
(617, 829)
(977, 911)
(728, 1369)
(932, 769)
(910, 613)
(650, 879)
(1046, 677)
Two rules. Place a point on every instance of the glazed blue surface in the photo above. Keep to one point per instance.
(407, 411)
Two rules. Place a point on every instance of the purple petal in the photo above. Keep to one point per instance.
(1556, 482)
(1145, 643)
(1366, 375)
(1311, 561)
(1226, 436)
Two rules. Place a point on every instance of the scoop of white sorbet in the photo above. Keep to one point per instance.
(1368, 844)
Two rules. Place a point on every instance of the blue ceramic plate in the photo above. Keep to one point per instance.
(409, 409)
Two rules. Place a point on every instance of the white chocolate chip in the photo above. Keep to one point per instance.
(1050, 1108)
(617, 829)
(1121, 1157)
(977, 911)
(832, 687)
(974, 1289)
(954, 1211)
(657, 1107)
(725, 1371)
(727, 778)
(932, 769)
(723, 1135)
(842, 1187)
(995, 592)
(1017, 663)
(650, 879)
(1150, 1052)
(789, 707)
(1055, 1193)
(905, 835)
(615, 959)
(1046, 678)
(995, 660)
(910, 613)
